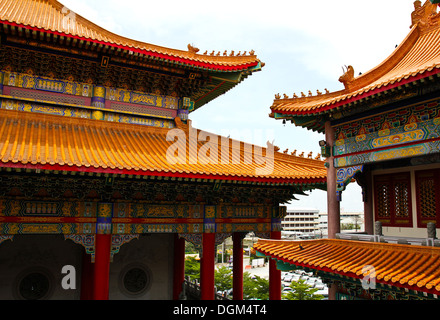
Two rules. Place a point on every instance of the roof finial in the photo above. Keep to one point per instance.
(347, 77)
(425, 15)
(192, 49)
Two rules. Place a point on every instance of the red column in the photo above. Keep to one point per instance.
(207, 267)
(179, 266)
(333, 208)
(368, 203)
(237, 280)
(274, 273)
(86, 277)
(103, 244)
(332, 290)
(102, 266)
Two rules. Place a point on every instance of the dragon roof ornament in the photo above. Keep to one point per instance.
(425, 16)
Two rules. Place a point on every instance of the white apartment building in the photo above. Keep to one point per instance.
(300, 222)
(303, 223)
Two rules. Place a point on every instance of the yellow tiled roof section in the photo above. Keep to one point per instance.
(395, 264)
(418, 53)
(51, 15)
(29, 139)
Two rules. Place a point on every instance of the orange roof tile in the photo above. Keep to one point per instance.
(50, 16)
(409, 266)
(418, 56)
(29, 140)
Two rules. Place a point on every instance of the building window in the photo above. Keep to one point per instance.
(428, 197)
(135, 280)
(393, 199)
(34, 284)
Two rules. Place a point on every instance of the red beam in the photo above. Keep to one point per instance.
(57, 167)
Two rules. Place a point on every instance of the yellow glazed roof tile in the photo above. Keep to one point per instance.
(53, 17)
(414, 267)
(31, 140)
(417, 56)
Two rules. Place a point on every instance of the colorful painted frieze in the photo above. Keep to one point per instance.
(407, 133)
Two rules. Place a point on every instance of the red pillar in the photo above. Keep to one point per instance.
(237, 280)
(102, 266)
(368, 203)
(274, 273)
(332, 290)
(103, 244)
(86, 277)
(207, 267)
(179, 266)
(333, 208)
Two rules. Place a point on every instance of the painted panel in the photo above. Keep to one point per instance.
(406, 141)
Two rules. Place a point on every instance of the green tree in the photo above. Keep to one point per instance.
(253, 288)
(302, 291)
(257, 288)
(223, 278)
(192, 268)
(190, 247)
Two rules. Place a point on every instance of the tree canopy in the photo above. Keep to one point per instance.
(302, 291)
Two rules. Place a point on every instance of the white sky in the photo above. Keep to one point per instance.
(304, 45)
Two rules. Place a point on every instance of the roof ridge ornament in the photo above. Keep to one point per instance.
(192, 49)
(348, 76)
(231, 54)
(425, 16)
(303, 95)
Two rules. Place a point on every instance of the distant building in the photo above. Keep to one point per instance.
(350, 221)
(300, 221)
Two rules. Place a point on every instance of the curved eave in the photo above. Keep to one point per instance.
(344, 102)
(415, 59)
(310, 182)
(341, 257)
(313, 114)
(152, 54)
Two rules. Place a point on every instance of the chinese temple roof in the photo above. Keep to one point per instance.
(416, 58)
(408, 266)
(34, 27)
(48, 142)
(52, 17)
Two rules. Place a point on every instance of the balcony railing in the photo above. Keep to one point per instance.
(431, 239)
(389, 239)
(192, 291)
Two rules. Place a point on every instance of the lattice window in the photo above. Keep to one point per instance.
(401, 200)
(392, 195)
(383, 201)
(428, 195)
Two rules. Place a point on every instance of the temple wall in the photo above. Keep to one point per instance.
(415, 230)
(38, 253)
(154, 253)
(49, 253)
